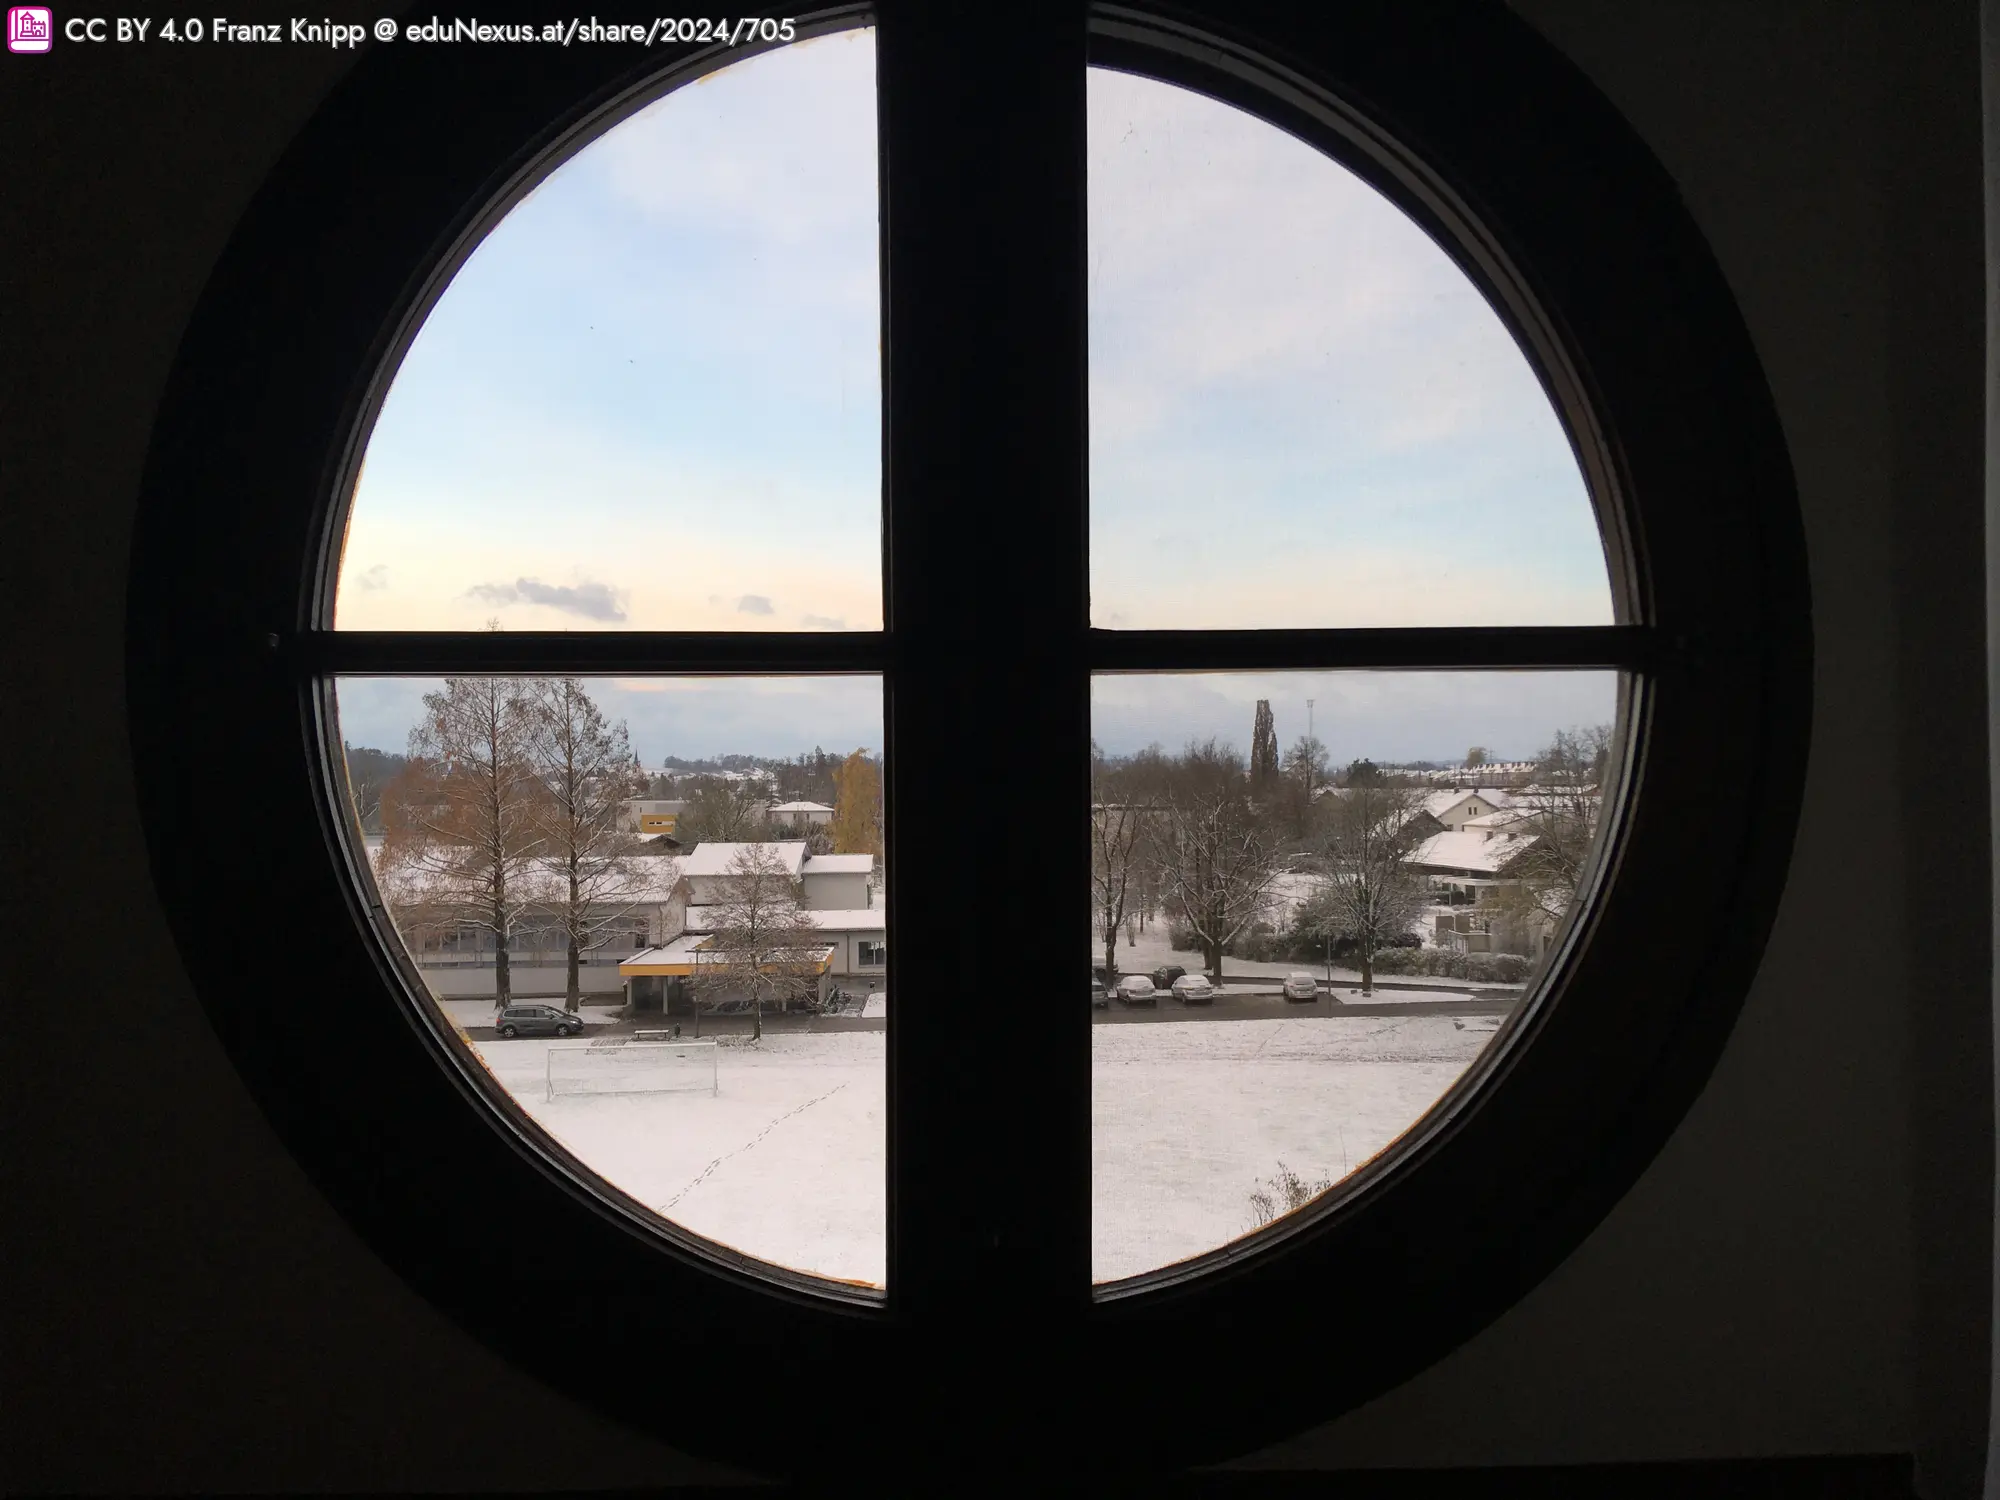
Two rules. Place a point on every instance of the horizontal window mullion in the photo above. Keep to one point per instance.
(1499, 647)
(430, 654)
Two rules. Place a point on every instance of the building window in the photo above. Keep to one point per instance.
(994, 446)
(873, 955)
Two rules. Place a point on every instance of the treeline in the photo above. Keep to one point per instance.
(1200, 840)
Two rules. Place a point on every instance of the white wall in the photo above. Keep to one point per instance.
(837, 892)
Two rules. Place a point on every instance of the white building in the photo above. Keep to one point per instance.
(802, 814)
(644, 905)
(1454, 809)
(837, 893)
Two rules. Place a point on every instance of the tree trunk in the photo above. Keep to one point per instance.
(1111, 959)
(574, 993)
(756, 1015)
(1367, 967)
(1211, 955)
(502, 976)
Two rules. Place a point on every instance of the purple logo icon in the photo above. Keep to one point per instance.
(30, 28)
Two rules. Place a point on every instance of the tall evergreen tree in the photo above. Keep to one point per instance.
(1263, 751)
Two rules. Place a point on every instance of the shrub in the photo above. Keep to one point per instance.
(1442, 963)
(1255, 947)
(1482, 966)
(1181, 939)
(1285, 1193)
(1512, 968)
(1398, 961)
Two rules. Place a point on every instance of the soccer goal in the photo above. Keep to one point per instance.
(621, 1065)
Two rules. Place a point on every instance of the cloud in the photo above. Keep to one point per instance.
(591, 601)
(822, 622)
(754, 604)
(376, 577)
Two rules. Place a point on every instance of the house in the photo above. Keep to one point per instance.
(1455, 808)
(801, 814)
(652, 815)
(1465, 866)
(1473, 867)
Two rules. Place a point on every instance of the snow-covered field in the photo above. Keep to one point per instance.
(785, 1162)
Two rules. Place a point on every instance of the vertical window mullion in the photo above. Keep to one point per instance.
(982, 149)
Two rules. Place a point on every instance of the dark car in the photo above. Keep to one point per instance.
(537, 1020)
(1164, 976)
(1100, 996)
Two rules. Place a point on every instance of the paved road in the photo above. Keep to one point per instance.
(1261, 1007)
(1225, 1007)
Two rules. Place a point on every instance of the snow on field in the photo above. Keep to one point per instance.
(1188, 1119)
(785, 1162)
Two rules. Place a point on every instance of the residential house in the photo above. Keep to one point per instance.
(1455, 808)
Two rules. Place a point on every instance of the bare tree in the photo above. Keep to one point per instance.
(1118, 850)
(721, 811)
(462, 824)
(586, 770)
(1214, 858)
(1560, 810)
(1367, 892)
(1303, 774)
(765, 943)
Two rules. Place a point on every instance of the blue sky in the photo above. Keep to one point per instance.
(651, 400)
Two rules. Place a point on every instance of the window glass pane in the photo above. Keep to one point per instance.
(715, 1049)
(1316, 899)
(1302, 414)
(651, 399)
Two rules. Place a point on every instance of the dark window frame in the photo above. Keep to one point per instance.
(990, 1327)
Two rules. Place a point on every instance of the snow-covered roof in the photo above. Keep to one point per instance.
(838, 864)
(676, 951)
(683, 957)
(1496, 822)
(640, 879)
(715, 858)
(1468, 851)
(1437, 804)
(801, 807)
(861, 919)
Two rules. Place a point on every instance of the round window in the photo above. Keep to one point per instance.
(717, 505)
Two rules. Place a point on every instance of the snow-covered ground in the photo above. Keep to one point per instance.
(785, 1161)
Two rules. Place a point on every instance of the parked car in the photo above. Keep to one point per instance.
(1137, 989)
(1194, 989)
(1165, 975)
(537, 1020)
(1099, 995)
(1299, 985)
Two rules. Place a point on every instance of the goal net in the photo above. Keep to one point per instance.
(620, 1065)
